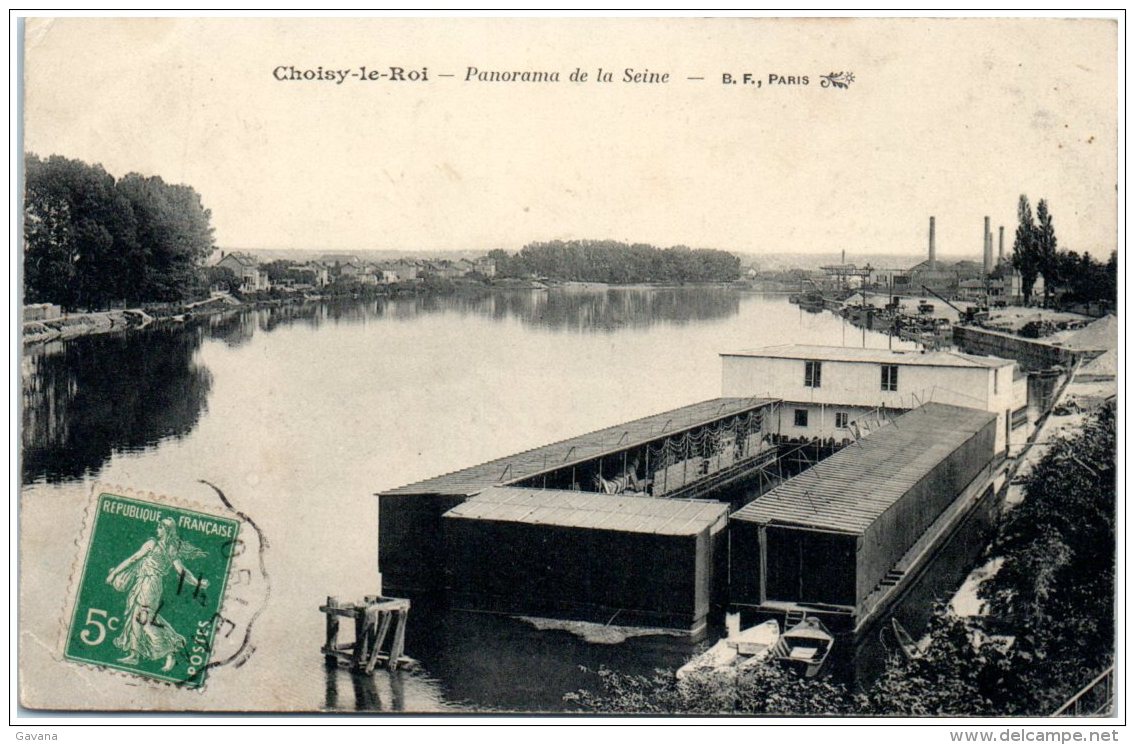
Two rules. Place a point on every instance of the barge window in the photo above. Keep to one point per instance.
(841, 420)
(811, 374)
(890, 378)
(801, 418)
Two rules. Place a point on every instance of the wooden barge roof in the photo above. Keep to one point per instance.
(592, 511)
(942, 358)
(513, 468)
(847, 492)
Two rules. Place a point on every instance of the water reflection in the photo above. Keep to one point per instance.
(582, 311)
(490, 662)
(90, 397)
(384, 690)
(610, 310)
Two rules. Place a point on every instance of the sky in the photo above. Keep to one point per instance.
(947, 117)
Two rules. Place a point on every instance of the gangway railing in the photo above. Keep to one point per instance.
(1095, 699)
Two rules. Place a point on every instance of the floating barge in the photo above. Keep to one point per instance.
(435, 535)
(631, 524)
(841, 540)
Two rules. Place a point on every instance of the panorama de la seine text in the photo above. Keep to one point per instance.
(471, 74)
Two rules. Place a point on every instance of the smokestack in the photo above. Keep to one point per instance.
(933, 259)
(1001, 244)
(843, 256)
(987, 248)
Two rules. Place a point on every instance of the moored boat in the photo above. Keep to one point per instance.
(739, 649)
(907, 645)
(805, 645)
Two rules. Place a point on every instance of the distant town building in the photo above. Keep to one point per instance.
(485, 266)
(975, 289)
(404, 270)
(386, 274)
(337, 260)
(313, 274)
(247, 269)
(443, 269)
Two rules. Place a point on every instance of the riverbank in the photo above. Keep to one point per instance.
(82, 324)
(74, 325)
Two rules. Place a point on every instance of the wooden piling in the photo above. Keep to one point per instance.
(373, 619)
(358, 652)
(332, 630)
(399, 643)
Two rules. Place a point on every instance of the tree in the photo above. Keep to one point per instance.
(1085, 279)
(174, 234)
(75, 228)
(219, 276)
(1110, 285)
(1048, 261)
(1026, 253)
(1056, 585)
(279, 270)
(953, 675)
(760, 689)
(49, 251)
(89, 239)
(618, 263)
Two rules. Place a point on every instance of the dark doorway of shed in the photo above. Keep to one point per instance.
(810, 567)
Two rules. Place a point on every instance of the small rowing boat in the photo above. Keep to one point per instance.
(738, 650)
(805, 645)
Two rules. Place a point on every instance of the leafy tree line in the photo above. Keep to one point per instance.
(617, 262)
(1049, 630)
(90, 239)
(1036, 253)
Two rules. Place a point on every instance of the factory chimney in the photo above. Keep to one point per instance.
(1001, 244)
(933, 264)
(987, 257)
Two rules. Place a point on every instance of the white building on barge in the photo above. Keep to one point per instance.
(830, 392)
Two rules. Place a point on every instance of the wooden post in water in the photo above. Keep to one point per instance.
(398, 646)
(359, 652)
(332, 631)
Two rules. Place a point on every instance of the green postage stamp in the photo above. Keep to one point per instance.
(149, 598)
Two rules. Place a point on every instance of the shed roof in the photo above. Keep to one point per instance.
(583, 448)
(850, 490)
(881, 356)
(574, 509)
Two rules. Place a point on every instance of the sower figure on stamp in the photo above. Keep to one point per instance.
(145, 633)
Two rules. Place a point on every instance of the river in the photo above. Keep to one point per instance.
(301, 413)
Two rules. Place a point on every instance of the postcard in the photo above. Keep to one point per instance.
(671, 366)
